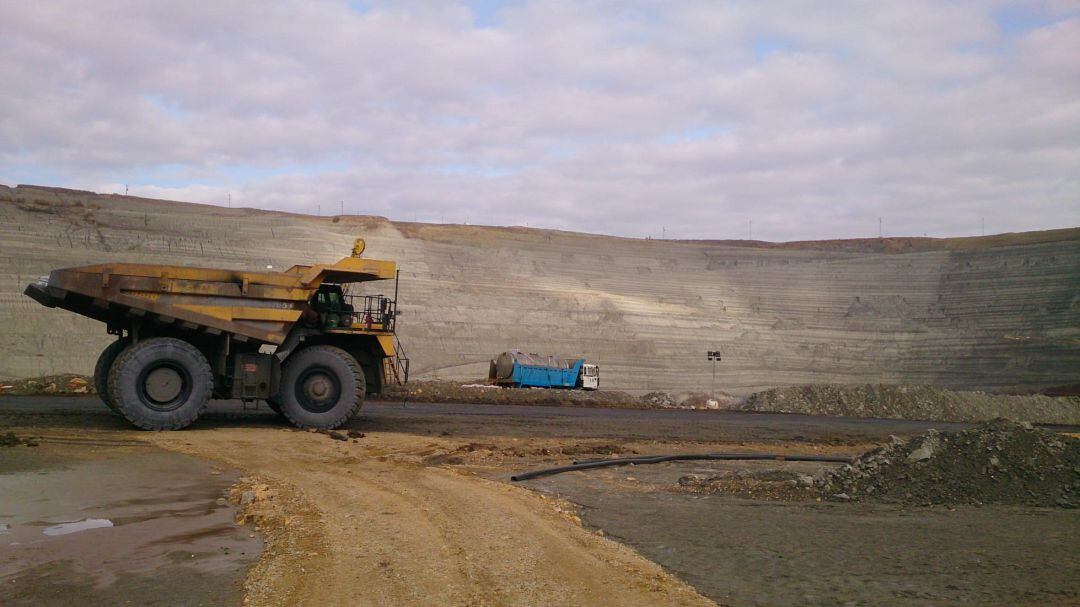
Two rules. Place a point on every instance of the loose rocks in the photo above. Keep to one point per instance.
(658, 399)
(998, 462)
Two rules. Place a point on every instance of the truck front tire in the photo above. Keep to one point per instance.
(321, 387)
(161, 383)
(101, 371)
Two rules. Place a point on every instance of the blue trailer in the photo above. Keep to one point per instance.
(521, 370)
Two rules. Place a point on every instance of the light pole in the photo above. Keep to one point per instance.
(714, 356)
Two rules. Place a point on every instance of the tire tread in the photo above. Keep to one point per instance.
(101, 371)
(358, 377)
(131, 352)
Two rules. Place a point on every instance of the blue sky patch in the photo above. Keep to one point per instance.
(697, 133)
(1019, 19)
(766, 45)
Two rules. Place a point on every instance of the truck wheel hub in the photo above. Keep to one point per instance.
(318, 391)
(319, 387)
(164, 384)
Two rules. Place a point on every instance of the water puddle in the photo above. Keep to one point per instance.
(77, 526)
(161, 524)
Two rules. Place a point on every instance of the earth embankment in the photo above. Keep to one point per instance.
(999, 314)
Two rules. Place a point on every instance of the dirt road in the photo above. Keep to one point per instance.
(369, 524)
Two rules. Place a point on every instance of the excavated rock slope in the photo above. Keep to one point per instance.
(1000, 313)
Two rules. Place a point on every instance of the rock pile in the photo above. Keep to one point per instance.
(913, 402)
(997, 462)
(658, 399)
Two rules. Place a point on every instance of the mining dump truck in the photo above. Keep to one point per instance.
(295, 339)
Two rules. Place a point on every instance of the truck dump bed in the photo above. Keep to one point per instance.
(523, 370)
(256, 306)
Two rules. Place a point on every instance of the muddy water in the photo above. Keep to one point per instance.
(90, 526)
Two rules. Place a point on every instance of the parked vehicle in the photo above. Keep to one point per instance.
(186, 335)
(521, 370)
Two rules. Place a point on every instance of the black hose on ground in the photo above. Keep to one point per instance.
(656, 459)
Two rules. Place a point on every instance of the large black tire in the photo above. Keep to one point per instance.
(101, 371)
(160, 383)
(321, 387)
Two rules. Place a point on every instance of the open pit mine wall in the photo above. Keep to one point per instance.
(997, 313)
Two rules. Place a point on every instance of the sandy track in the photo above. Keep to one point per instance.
(369, 524)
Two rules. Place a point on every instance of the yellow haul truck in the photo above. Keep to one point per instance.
(294, 339)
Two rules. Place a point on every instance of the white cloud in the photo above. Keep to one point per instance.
(811, 119)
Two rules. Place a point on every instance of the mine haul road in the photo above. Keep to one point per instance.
(418, 509)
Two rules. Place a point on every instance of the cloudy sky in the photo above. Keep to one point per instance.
(690, 119)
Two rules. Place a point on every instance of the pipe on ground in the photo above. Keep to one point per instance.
(656, 459)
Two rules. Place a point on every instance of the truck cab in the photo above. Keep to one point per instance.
(590, 377)
(331, 307)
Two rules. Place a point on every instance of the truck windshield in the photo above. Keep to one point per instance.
(328, 300)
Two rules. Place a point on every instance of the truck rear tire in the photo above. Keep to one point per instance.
(101, 371)
(160, 383)
(321, 387)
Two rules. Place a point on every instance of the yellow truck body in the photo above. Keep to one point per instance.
(245, 324)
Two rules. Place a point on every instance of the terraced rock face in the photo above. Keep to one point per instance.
(998, 313)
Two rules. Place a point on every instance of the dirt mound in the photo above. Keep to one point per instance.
(913, 402)
(66, 383)
(998, 462)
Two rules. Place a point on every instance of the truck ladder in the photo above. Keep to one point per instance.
(396, 369)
